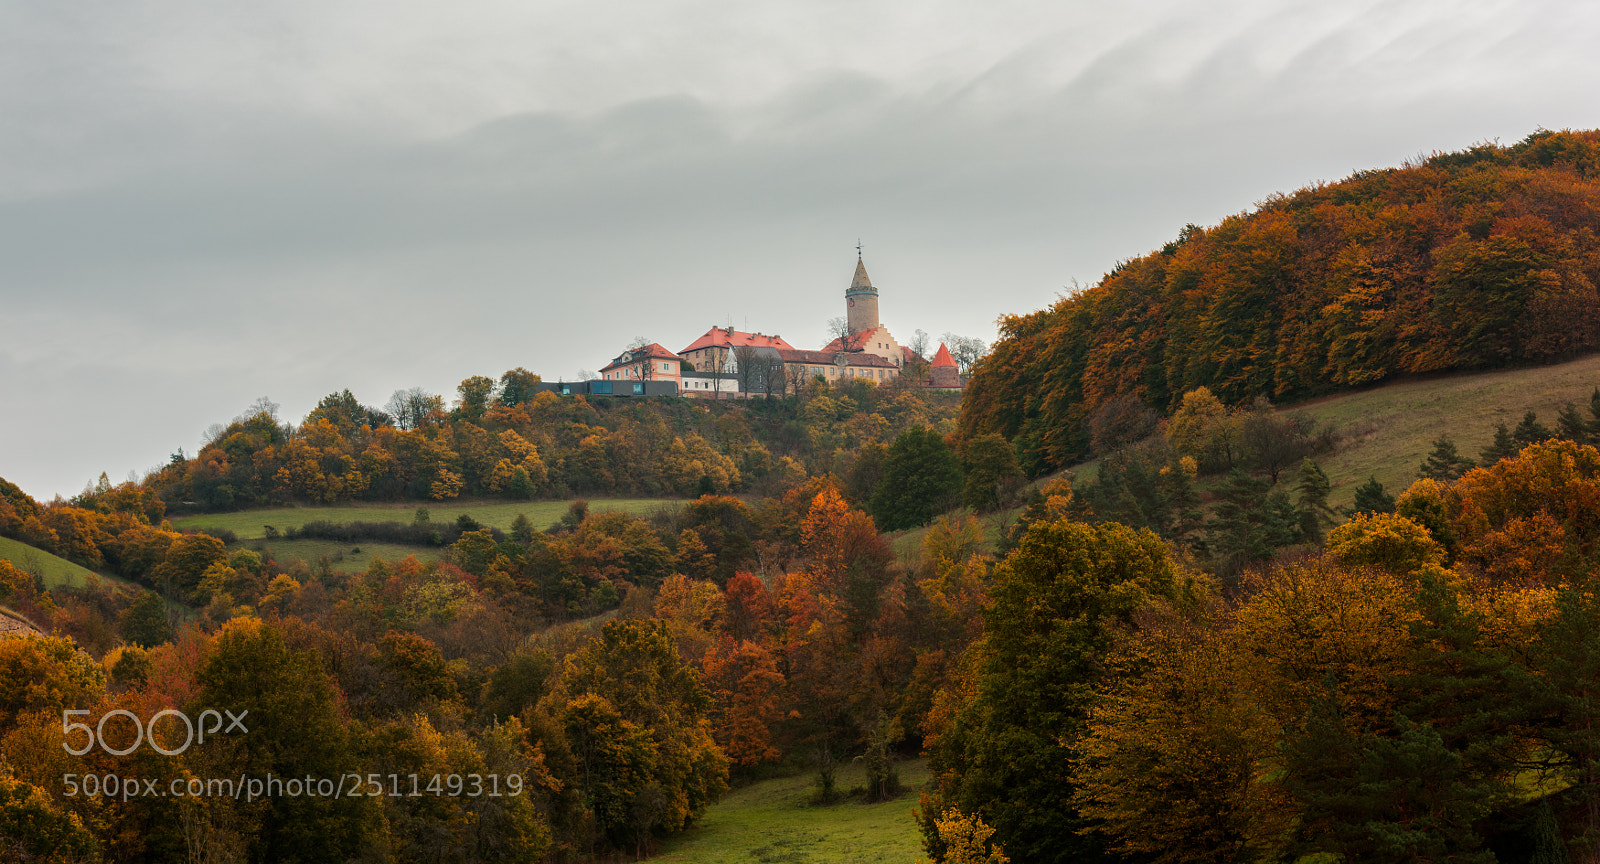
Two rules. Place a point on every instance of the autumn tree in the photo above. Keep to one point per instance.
(145, 622)
(45, 673)
(295, 730)
(34, 830)
(517, 387)
(473, 395)
(1059, 602)
(1202, 428)
(636, 717)
(1171, 766)
(1334, 286)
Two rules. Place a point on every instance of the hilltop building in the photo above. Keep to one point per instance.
(867, 333)
(943, 371)
(710, 365)
(650, 363)
(715, 350)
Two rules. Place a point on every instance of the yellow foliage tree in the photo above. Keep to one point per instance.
(1384, 540)
(966, 840)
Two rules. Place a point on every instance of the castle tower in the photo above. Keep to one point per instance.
(861, 301)
(943, 372)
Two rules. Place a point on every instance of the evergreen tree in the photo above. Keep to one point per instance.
(1444, 463)
(1182, 503)
(865, 474)
(1384, 798)
(1314, 511)
(1529, 431)
(522, 529)
(1567, 662)
(990, 464)
(1548, 846)
(145, 622)
(1370, 498)
(521, 484)
(921, 478)
(1251, 522)
(1570, 424)
(1503, 447)
(1592, 426)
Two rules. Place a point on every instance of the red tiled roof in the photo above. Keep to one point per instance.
(721, 337)
(634, 355)
(825, 358)
(853, 342)
(943, 358)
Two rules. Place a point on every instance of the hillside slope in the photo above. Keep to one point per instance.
(55, 570)
(1387, 431)
(1475, 260)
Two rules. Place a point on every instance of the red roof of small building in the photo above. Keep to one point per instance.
(634, 355)
(721, 337)
(943, 358)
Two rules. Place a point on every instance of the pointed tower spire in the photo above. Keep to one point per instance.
(861, 299)
(861, 281)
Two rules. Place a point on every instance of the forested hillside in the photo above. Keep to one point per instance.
(1189, 655)
(501, 439)
(1472, 260)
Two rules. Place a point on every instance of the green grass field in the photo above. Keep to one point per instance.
(342, 556)
(1389, 430)
(251, 524)
(773, 821)
(56, 571)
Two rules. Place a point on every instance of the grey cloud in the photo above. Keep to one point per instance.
(178, 255)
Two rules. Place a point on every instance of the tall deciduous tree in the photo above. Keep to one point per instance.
(295, 730)
(1058, 602)
(638, 719)
(921, 478)
(991, 472)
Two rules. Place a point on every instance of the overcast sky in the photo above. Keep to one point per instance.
(205, 203)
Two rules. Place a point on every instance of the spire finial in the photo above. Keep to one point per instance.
(858, 247)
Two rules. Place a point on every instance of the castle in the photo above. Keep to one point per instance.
(725, 360)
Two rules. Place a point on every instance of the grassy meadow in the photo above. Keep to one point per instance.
(55, 571)
(774, 821)
(1387, 431)
(350, 557)
(251, 524)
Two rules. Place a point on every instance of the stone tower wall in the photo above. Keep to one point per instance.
(861, 310)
